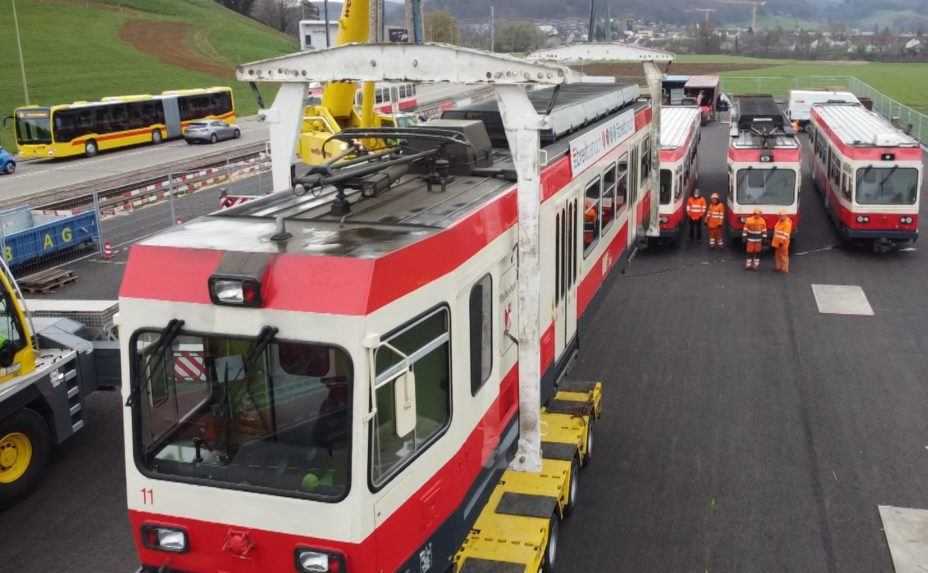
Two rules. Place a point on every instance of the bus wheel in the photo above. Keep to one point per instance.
(90, 148)
(25, 446)
(156, 136)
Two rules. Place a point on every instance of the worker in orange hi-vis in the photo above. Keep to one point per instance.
(755, 229)
(715, 220)
(782, 232)
(695, 212)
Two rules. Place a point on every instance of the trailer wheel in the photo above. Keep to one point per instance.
(573, 487)
(90, 148)
(156, 136)
(588, 456)
(25, 446)
(554, 532)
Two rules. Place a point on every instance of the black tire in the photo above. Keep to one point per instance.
(90, 148)
(10, 167)
(213, 138)
(588, 456)
(156, 137)
(32, 426)
(554, 533)
(573, 488)
(237, 133)
(189, 141)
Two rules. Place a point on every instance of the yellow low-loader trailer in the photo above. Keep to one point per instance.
(45, 375)
(517, 530)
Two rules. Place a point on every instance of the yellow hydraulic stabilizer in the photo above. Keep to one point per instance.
(17, 355)
(337, 111)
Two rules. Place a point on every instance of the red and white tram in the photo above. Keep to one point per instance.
(385, 95)
(764, 167)
(679, 171)
(329, 380)
(869, 172)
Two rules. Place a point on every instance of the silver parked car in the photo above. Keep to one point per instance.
(210, 131)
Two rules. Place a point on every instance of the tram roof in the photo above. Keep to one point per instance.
(676, 125)
(855, 125)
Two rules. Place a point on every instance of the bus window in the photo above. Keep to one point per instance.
(666, 186)
(592, 216)
(887, 186)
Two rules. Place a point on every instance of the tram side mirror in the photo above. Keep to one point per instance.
(404, 390)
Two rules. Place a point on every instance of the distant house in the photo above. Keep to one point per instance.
(913, 46)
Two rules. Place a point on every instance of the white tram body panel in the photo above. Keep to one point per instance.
(679, 173)
(869, 172)
(306, 320)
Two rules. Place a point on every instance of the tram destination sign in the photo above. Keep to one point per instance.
(592, 145)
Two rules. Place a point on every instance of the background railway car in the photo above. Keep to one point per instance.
(763, 165)
(869, 173)
(385, 403)
(679, 166)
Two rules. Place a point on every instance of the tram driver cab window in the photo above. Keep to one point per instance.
(412, 386)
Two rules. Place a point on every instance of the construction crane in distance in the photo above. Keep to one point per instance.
(705, 11)
(754, 4)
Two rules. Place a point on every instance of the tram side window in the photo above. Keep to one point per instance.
(834, 169)
(666, 185)
(633, 176)
(609, 202)
(846, 184)
(481, 333)
(424, 348)
(645, 158)
(679, 190)
(621, 190)
(592, 217)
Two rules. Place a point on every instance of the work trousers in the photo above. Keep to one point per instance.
(781, 259)
(695, 228)
(715, 237)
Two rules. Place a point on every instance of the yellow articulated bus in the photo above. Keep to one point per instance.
(86, 128)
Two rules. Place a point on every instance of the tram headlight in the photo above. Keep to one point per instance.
(863, 219)
(168, 539)
(235, 291)
(905, 220)
(317, 561)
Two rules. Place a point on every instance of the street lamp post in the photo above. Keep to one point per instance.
(19, 45)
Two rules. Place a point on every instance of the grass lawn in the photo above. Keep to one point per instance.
(73, 51)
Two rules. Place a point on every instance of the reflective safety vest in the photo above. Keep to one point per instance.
(781, 233)
(696, 208)
(755, 229)
(716, 217)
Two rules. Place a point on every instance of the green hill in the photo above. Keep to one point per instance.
(87, 49)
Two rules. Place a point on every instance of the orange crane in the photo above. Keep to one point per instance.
(754, 4)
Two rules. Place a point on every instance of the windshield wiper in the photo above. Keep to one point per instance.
(888, 175)
(154, 352)
(769, 175)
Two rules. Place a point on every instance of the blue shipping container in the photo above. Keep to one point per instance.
(39, 242)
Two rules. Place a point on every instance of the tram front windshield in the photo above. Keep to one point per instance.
(887, 186)
(768, 186)
(246, 413)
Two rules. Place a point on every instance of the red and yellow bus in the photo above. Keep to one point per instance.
(86, 128)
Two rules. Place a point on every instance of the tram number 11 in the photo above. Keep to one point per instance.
(148, 496)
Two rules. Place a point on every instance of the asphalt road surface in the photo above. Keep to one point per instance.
(743, 431)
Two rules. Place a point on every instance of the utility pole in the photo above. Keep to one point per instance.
(592, 22)
(492, 26)
(325, 10)
(19, 45)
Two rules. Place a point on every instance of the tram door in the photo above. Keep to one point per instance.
(566, 230)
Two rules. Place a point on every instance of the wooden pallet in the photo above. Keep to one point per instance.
(45, 282)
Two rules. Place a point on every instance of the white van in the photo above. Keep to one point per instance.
(801, 102)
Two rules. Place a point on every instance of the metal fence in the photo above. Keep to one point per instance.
(903, 116)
